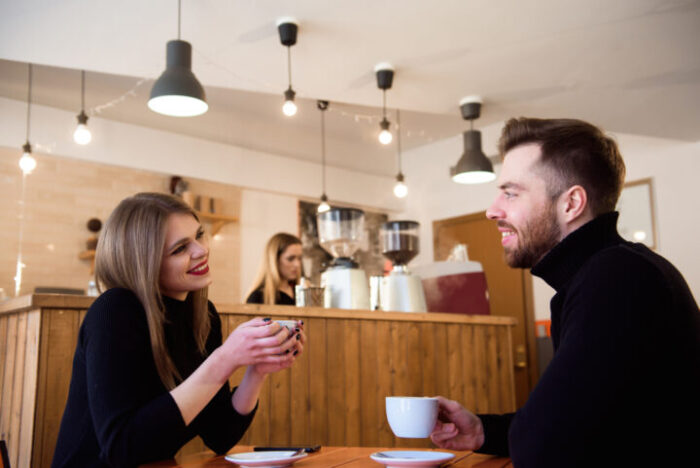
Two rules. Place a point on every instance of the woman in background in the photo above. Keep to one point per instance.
(150, 370)
(280, 270)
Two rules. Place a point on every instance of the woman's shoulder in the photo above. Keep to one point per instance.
(256, 297)
(115, 305)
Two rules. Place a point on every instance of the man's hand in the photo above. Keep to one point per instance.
(457, 428)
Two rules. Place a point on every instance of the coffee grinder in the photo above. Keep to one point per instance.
(400, 290)
(340, 232)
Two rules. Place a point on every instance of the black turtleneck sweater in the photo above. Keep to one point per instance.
(624, 383)
(118, 412)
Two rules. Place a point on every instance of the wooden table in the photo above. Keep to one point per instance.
(329, 457)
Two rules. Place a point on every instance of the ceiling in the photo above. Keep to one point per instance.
(630, 66)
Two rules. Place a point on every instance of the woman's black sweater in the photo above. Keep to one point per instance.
(118, 412)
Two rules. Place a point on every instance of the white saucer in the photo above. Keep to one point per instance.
(265, 459)
(413, 458)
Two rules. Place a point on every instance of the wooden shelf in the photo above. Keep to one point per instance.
(217, 220)
(88, 255)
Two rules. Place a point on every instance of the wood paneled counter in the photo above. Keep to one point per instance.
(334, 395)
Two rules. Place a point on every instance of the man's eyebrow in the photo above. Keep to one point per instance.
(510, 185)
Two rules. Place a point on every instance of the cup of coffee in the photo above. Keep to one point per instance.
(290, 324)
(411, 417)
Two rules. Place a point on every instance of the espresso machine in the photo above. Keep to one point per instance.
(400, 290)
(340, 232)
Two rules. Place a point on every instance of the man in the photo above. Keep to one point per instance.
(624, 383)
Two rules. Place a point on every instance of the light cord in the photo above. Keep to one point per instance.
(29, 100)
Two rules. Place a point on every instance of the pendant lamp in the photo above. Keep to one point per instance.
(385, 77)
(288, 28)
(177, 92)
(27, 162)
(324, 206)
(473, 167)
(400, 189)
(82, 135)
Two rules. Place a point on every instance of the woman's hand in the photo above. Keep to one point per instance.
(255, 342)
(296, 338)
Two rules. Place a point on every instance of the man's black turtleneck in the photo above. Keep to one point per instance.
(118, 412)
(624, 382)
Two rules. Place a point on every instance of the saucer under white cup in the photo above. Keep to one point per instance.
(411, 417)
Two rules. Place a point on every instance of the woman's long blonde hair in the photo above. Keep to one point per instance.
(129, 254)
(268, 277)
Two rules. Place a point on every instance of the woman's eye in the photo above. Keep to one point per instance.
(178, 250)
(200, 234)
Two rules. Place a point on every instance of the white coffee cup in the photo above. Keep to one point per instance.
(411, 417)
(290, 324)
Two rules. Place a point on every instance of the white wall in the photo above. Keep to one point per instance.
(674, 167)
(262, 215)
(272, 184)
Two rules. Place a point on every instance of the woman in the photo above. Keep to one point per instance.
(280, 271)
(150, 370)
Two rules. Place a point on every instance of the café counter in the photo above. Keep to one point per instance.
(334, 394)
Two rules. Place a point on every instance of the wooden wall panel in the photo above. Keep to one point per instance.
(334, 395)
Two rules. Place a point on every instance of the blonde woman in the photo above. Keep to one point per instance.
(150, 370)
(280, 271)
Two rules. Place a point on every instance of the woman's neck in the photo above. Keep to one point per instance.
(286, 288)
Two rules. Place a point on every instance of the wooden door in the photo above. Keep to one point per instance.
(510, 289)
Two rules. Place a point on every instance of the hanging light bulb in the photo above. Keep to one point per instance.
(400, 189)
(385, 135)
(177, 92)
(289, 108)
(82, 135)
(288, 28)
(27, 162)
(385, 77)
(324, 206)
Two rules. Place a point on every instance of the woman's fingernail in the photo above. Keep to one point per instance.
(267, 319)
(296, 330)
(301, 322)
(299, 336)
(295, 352)
(286, 352)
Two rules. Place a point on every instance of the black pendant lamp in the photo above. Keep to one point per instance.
(473, 167)
(324, 206)
(288, 28)
(177, 92)
(385, 77)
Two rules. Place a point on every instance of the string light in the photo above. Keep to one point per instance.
(27, 162)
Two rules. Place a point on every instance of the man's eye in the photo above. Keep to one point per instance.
(509, 194)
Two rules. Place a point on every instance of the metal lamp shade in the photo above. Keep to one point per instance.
(177, 92)
(473, 167)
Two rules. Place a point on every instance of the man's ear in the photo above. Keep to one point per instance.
(573, 204)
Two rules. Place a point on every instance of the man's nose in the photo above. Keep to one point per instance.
(494, 211)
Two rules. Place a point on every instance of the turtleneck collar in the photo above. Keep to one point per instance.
(561, 263)
(175, 307)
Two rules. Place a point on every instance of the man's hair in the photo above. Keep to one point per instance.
(574, 152)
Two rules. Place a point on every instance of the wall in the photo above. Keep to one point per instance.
(270, 185)
(62, 194)
(673, 165)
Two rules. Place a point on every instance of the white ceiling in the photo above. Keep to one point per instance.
(631, 66)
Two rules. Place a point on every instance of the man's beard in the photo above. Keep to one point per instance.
(535, 239)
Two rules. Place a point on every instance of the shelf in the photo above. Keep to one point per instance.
(88, 255)
(217, 220)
